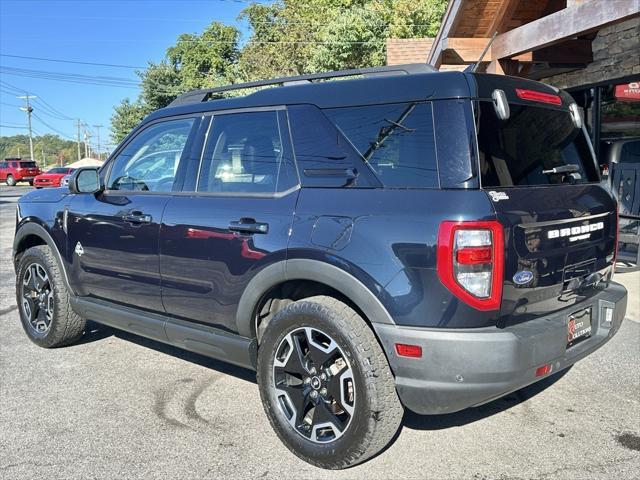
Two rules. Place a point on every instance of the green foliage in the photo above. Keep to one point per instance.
(286, 37)
(57, 151)
(126, 116)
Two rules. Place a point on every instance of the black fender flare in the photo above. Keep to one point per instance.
(39, 231)
(304, 269)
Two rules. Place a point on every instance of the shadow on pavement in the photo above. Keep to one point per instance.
(470, 415)
(96, 332)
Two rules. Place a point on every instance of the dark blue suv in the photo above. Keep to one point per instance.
(401, 238)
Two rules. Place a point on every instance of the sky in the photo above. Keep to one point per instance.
(118, 32)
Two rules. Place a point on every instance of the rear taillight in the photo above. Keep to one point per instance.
(536, 96)
(470, 261)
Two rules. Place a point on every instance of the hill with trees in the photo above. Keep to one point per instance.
(57, 151)
(286, 37)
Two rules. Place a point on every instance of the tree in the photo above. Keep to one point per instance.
(126, 116)
(286, 37)
(205, 60)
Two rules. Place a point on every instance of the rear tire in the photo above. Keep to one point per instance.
(44, 302)
(365, 412)
(11, 181)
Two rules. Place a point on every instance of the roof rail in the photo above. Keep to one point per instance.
(197, 96)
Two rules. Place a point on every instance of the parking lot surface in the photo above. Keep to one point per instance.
(118, 406)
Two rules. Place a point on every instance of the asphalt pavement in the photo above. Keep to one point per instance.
(118, 406)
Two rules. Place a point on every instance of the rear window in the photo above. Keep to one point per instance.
(396, 140)
(26, 165)
(58, 170)
(523, 149)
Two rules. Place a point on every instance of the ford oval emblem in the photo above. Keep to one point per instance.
(523, 277)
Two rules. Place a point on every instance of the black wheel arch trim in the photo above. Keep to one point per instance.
(38, 230)
(313, 270)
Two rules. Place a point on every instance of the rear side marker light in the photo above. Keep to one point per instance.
(543, 370)
(536, 96)
(470, 262)
(404, 350)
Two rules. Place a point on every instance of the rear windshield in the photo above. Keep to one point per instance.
(27, 165)
(523, 149)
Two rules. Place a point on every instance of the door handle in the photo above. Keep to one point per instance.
(137, 217)
(248, 225)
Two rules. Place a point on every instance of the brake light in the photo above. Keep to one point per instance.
(470, 262)
(536, 96)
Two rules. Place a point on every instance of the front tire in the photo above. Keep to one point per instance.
(11, 181)
(44, 302)
(326, 385)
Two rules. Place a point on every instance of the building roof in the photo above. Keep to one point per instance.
(408, 50)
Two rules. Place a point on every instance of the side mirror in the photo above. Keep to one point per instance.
(85, 180)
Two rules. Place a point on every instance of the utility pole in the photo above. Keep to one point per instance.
(78, 125)
(98, 127)
(28, 108)
(87, 135)
(44, 159)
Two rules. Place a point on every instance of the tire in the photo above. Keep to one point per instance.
(376, 411)
(31, 183)
(11, 181)
(53, 323)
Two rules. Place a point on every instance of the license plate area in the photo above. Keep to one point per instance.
(578, 326)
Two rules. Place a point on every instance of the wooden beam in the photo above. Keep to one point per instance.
(569, 22)
(461, 51)
(449, 21)
(503, 16)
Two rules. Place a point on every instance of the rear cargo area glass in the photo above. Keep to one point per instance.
(516, 151)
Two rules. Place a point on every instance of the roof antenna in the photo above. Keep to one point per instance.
(472, 68)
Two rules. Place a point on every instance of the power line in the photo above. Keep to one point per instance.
(62, 134)
(58, 60)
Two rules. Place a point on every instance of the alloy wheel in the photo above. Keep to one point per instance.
(314, 385)
(37, 298)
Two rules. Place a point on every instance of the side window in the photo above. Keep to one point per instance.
(3, 164)
(397, 140)
(324, 157)
(150, 161)
(246, 153)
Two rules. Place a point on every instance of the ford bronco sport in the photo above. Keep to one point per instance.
(401, 238)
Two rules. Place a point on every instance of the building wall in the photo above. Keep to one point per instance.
(616, 54)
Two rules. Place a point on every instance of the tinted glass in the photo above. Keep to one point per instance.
(630, 152)
(149, 162)
(396, 140)
(26, 165)
(245, 154)
(58, 170)
(531, 141)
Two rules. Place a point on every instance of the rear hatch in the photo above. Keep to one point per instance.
(560, 225)
(28, 169)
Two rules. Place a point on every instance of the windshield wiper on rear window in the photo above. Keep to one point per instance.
(569, 168)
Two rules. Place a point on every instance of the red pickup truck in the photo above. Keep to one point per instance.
(14, 170)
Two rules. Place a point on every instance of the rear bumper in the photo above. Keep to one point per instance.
(461, 368)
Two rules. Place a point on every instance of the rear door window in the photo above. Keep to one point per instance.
(247, 153)
(525, 148)
(397, 140)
